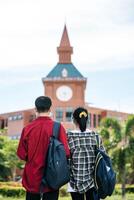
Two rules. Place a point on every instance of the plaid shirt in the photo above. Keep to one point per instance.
(82, 147)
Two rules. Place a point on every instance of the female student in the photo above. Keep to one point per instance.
(82, 144)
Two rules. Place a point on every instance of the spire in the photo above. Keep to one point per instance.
(65, 39)
(65, 50)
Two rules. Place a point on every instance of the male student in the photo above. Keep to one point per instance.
(33, 148)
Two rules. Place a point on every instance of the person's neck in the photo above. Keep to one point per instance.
(77, 127)
(46, 114)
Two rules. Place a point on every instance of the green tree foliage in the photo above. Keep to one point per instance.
(111, 133)
(119, 142)
(4, 170)
(129, 132)
(9, 161)
(12, 160)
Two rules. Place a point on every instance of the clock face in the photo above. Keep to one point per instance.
(64, 93)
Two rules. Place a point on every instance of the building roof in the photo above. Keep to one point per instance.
(64, 68)
(64, 71)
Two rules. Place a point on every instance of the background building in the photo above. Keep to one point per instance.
(66, 86)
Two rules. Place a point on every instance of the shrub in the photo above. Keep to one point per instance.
(11, 183)
(14, 189)
(129, 189)
(10, 191)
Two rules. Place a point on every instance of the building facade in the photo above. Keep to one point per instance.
(66, 86)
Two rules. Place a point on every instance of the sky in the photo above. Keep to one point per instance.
(101, 33)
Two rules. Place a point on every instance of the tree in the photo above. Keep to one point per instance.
(129, 132)
(110, 131)
(4, 170)
(12, 160)
(118, 140)
(3, 131)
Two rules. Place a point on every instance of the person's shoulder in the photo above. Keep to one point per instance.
(90, 131)
(31, 125)
(76, 131)
(72, 132)
(61, 127)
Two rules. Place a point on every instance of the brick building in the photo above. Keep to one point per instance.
(66, 86)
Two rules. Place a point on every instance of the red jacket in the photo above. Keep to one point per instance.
(33, 148)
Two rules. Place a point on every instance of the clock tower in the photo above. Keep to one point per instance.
(64, 84)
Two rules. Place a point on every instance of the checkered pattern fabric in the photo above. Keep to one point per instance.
(82, 147)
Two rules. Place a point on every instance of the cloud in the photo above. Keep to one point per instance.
(21, 74)
(98, 30)
(113, 63)
(4, 82)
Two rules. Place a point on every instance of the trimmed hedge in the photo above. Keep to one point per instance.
(129, 189)
(11, 189)
(14, 189)
(11, 183)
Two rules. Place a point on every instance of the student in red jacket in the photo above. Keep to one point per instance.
(33, 148)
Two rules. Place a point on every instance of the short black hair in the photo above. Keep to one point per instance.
(43, 104)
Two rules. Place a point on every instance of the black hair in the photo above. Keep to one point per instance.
(80, 115)
(43, 104)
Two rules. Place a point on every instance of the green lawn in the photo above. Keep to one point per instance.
(117, 197)
(129, 197)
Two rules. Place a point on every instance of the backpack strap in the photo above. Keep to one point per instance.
(56, 128)
(97, 140)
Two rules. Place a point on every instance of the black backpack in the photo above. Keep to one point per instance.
(56, 171)
(104, 175)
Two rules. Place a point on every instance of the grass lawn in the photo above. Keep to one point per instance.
(128, 197)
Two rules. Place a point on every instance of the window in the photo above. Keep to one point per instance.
(15, 117)
(59, 114)
(19, 117)
(10, 118)
(12, 137)
(69, 112)
(2, 124)
(15, 137)
(99, 119)
(94, 121)
(6, 122)
(89, 119)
